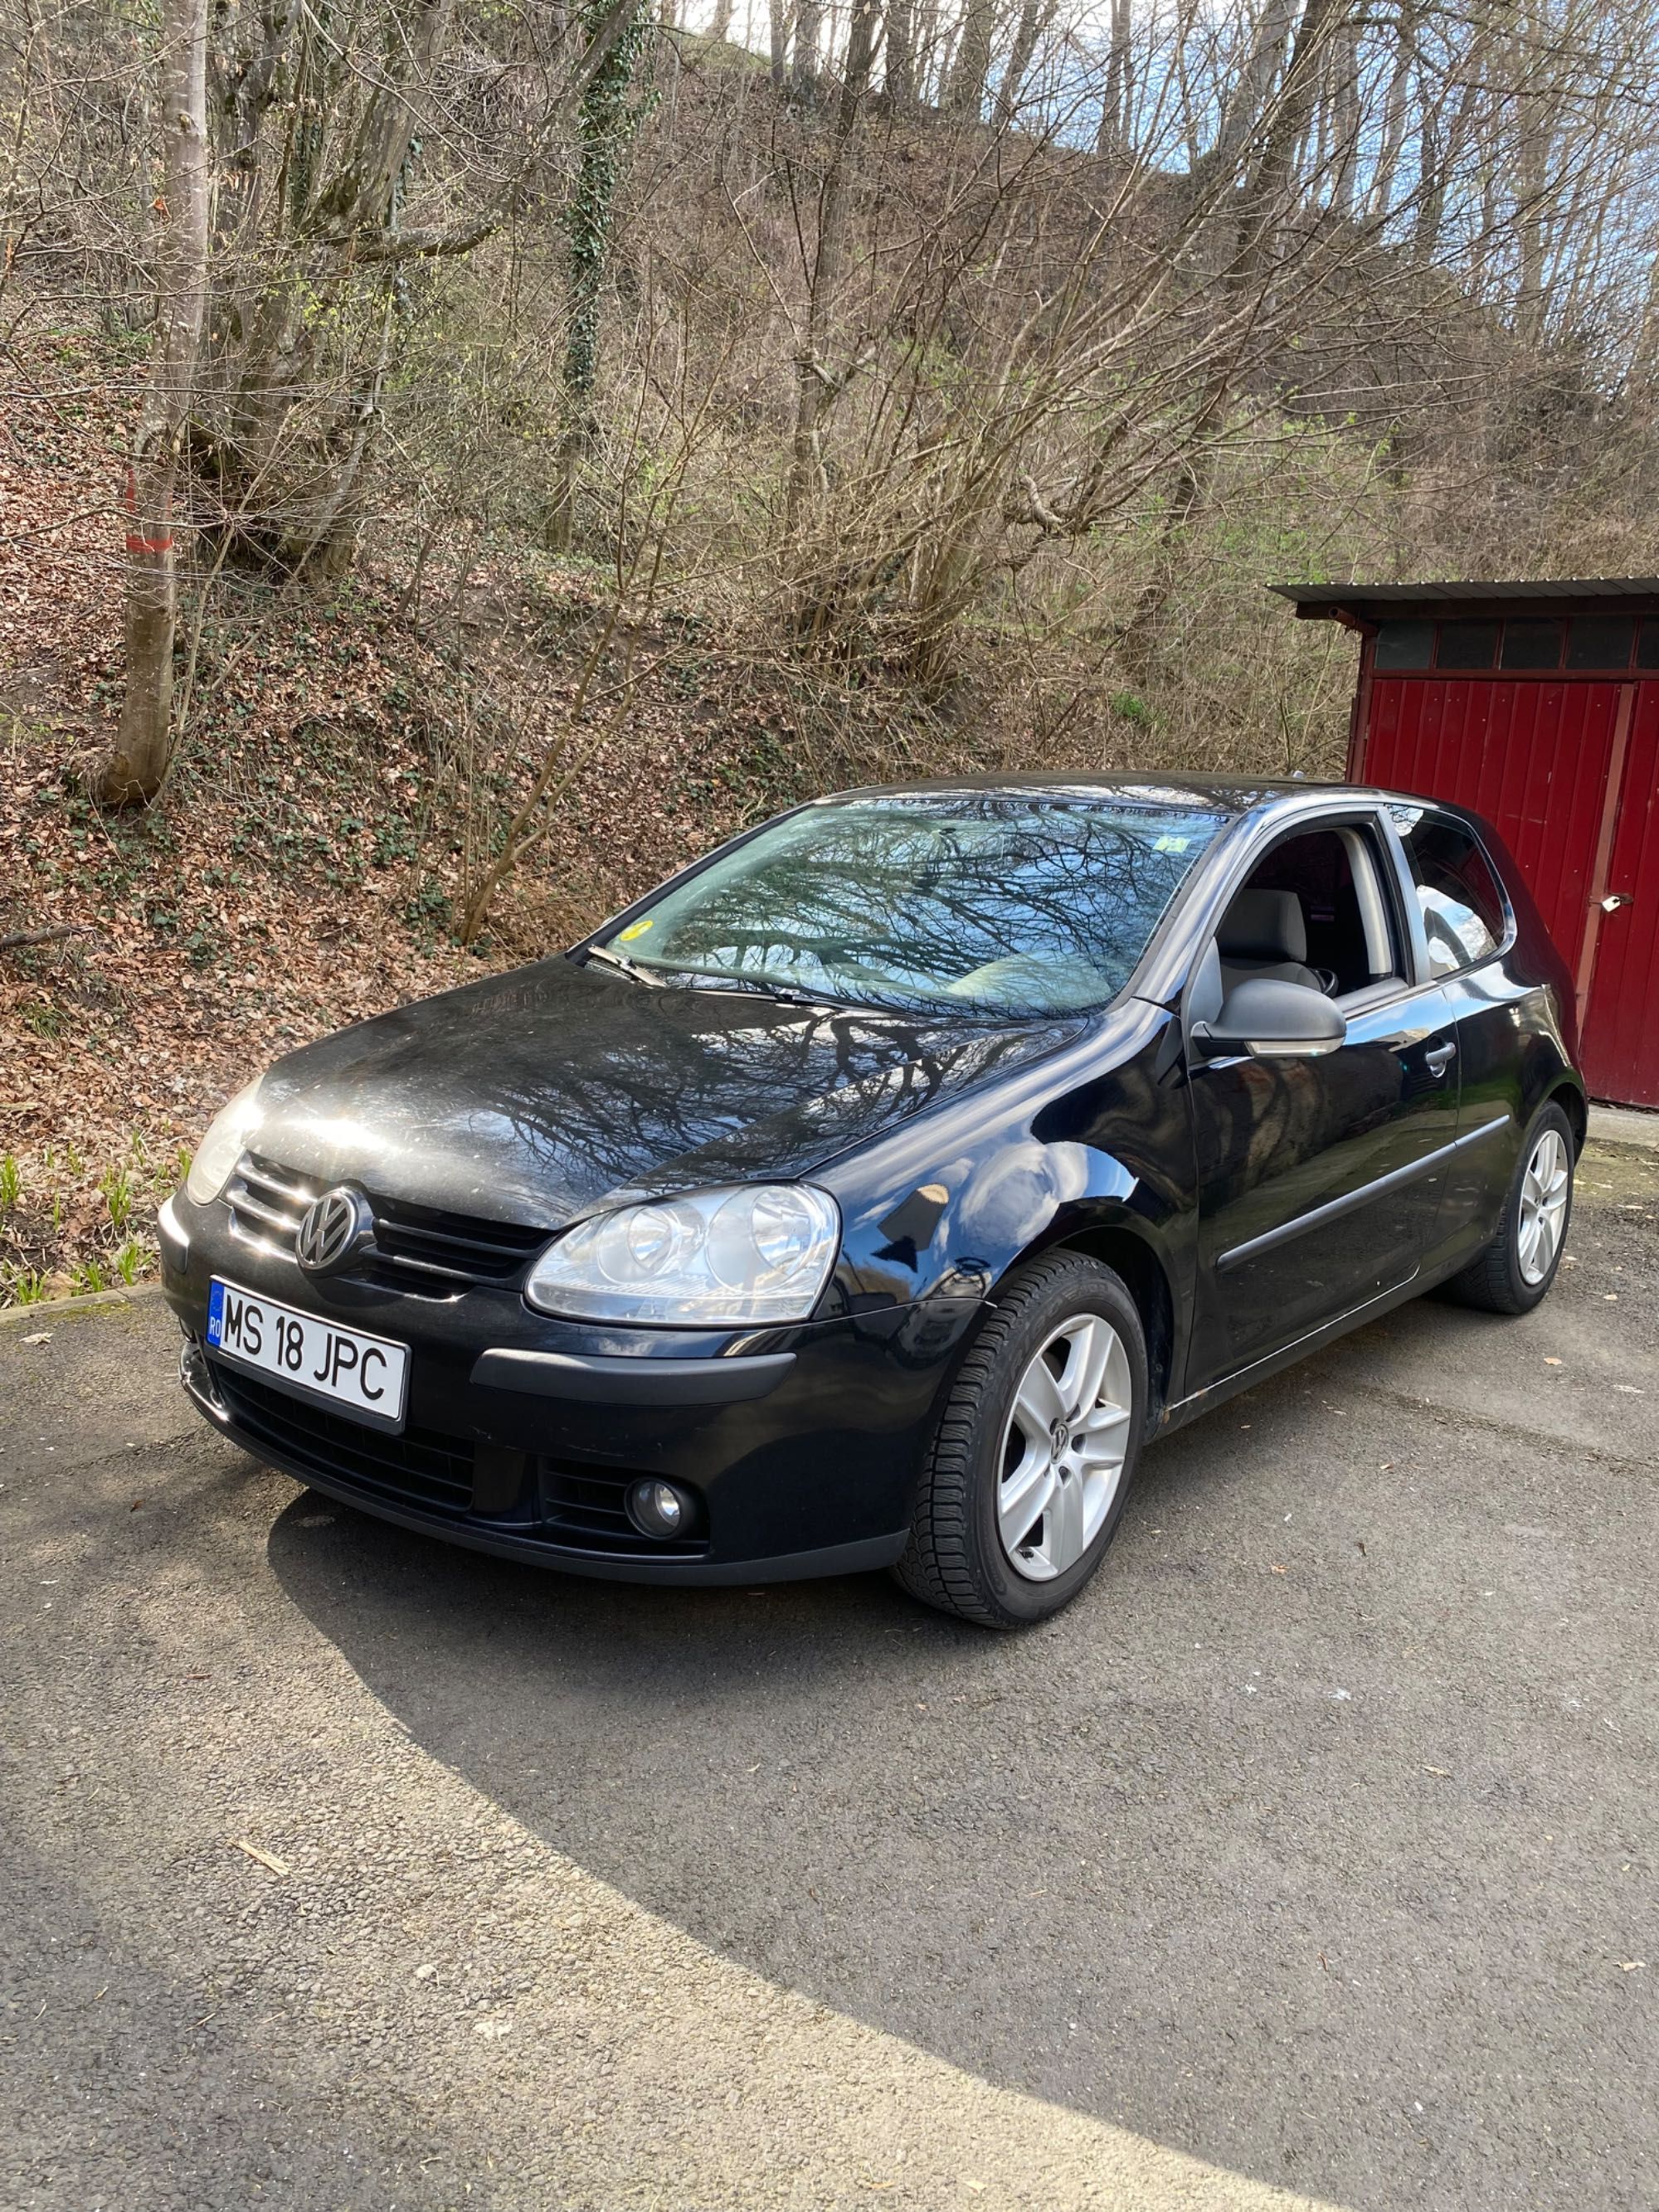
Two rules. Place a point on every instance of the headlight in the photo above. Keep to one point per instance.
(222, 1146)
(718, 1259)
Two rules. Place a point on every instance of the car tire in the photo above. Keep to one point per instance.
(1515, 1269)
(1070, 1316)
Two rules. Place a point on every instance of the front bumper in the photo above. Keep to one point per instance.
(800, 1445)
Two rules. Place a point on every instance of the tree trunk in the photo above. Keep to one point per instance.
(1248, 98)
(603, 121)
(1396, 115)
(926, 68)
(1531, 193)
(900, 54)
(817, 385)
(143, 742)
(807, 60)
(358, 195)
(1035, 17)
(1346, 121)
(966, 93)
(1113, 137)
(1269, 187)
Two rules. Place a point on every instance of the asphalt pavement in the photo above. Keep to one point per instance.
(1308, 1859)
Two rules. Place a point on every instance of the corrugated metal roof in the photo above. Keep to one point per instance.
(1314, 599)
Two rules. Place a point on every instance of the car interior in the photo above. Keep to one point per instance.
(1312, 912)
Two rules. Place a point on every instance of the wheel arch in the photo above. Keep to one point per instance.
(1568, 1095)
(1134, 1258)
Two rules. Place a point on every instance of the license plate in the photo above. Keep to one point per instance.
(366, 1377)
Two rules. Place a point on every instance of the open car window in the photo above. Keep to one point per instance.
(1312, 911)
(1007, 903)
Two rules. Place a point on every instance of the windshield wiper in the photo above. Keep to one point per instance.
(627, 967)
(721, 979)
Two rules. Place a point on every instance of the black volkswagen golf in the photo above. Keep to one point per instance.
(874, 1192)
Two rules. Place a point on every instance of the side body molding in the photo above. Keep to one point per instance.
(1319, 1217)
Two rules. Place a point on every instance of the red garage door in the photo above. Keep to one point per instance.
(1621, 1023)
(1568, 773)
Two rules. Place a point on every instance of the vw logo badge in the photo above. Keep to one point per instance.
(332, 1231)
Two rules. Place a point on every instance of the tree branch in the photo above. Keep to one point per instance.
(20, 936)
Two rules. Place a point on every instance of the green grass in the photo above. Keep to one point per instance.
(119, 1196)
(11, 1183)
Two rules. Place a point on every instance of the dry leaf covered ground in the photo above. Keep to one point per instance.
(350, 761)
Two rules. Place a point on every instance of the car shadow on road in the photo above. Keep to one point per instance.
(1241, 1852)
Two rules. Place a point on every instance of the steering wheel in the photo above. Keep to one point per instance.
(1327, 981)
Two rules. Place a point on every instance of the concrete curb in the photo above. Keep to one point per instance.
(51, 1309)
(1623, 1125)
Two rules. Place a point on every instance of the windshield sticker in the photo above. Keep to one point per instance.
(1172, 844)
(635, 929)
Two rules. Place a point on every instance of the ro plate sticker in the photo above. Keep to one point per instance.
(216, 1314)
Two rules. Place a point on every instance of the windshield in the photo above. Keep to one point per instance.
(1006, 902)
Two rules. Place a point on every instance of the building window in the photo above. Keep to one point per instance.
(1464, 915)
(1600, 641)
(1531, 644)
(1404, 645)
(1467, 645)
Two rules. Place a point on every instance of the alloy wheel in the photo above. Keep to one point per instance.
(1064, 1448)
(1543, 1217)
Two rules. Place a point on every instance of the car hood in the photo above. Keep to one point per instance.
(534, 1096)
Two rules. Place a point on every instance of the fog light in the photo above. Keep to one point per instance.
(658, 1508)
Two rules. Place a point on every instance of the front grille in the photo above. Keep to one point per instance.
(416, 1248)
(579, 1508)
(421, 1466)
(267, 1202)
(584, 1509)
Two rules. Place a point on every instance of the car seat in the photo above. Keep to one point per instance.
(1263, 933)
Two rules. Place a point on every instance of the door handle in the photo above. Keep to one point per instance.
(1439, 1057)
(1614, 900)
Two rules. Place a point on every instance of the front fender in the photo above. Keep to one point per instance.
(1095, 1143)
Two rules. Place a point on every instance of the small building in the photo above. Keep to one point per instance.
(1538, 704)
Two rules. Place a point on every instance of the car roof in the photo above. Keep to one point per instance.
(1235, 795)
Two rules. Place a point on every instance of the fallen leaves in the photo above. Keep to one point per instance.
(298, 873)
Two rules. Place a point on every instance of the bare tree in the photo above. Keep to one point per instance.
(1035, 18)
(806, 59)
(900, 67)
(820, 379)
(964, 93)
(143, 743)
(605, 122)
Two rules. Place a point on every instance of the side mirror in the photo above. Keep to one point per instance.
(1266, 1019)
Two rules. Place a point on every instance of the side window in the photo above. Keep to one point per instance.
(1463, 909)
(1312, 912)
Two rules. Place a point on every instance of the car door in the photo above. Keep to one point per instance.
(1320, 1177)
(1467, 930)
